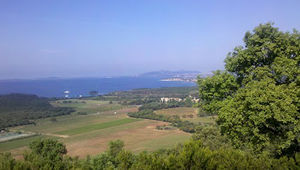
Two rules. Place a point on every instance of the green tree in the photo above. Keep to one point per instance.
(263, 114)
(7, 161)
(267, 47)
(103, 161)
(46, 154)
(125, 159)
(213, 90)
(115, 147)
(48, 148)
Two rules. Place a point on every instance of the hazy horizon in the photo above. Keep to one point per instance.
(104, 76)
(66, 39)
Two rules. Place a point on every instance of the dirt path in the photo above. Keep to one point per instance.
(55, 135)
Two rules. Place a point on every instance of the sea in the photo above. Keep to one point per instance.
(76, 87)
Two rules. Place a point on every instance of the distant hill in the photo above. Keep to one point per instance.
(170, 74)
(21, 109)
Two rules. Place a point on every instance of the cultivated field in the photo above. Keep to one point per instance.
(89, 134)
(88, 106)
(188, 113)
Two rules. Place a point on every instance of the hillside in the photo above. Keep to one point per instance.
(156, 92)
(20, 109)
(170, 74)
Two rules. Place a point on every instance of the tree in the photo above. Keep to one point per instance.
(125, 159)
(267, 47)
(262, 116)
(213, 90)
(7, 161)
(115, 147)
(48, 148)
(261, 111)
(46, 154)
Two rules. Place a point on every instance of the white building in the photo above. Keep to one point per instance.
(168, 99)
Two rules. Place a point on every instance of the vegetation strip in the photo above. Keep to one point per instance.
(17, 143)
(97, 126)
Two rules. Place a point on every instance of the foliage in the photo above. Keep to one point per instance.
(146, 111)
(191, 155)
(175, 120)
(115, 147)
(180, 92)
(262, 116)
(7, 161)
(211, 137)
(258, 105)
(21, 109)
(166, 105)
(267, 47)
(213, 90)
(46, 153)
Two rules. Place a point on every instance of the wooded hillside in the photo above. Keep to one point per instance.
(20, 109)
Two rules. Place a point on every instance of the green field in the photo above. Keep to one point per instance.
(89, 134)
(87, 106)
(165, 142)
(6, 146)
(92, 127)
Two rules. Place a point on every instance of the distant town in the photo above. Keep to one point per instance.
(185, 76)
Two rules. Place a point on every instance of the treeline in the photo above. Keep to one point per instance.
(175, 120)
(146, 111)
(179, 92)
(166, 105)
(21, 109)
(51, 154)
(146, 95)
(139, 101)
(186, 102)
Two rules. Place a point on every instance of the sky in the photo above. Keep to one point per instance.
(60, 38)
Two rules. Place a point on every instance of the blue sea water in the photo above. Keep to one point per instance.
(82, 86)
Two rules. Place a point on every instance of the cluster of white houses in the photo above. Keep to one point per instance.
(168, 99)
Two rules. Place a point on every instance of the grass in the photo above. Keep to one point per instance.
(164, 142)
(21, 142)
(137, 137)
(90, 134)
(93, 127)
(65, 123)
(87, 106)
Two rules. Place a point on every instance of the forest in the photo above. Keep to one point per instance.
(21, 109)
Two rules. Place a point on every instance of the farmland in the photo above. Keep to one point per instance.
(189, 114)
(89, 133)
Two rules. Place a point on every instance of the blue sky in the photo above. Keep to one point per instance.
(113, 38)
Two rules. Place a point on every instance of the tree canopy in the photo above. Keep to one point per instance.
(191, 155)
(257, 96)
(213, 90)
(21, 109)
